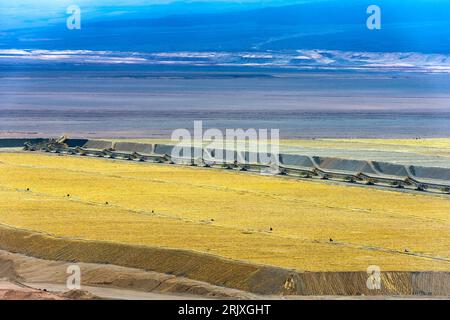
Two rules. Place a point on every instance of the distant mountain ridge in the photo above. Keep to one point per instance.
(293, 60)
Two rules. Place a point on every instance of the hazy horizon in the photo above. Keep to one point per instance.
(310, 68)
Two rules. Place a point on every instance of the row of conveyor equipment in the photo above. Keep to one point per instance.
(366, 172)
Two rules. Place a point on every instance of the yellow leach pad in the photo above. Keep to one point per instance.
(226, 213)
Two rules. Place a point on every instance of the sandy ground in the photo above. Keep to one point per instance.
(17, 291)
(35, 291)
(51, 291)
(114, 293)
(27, 274)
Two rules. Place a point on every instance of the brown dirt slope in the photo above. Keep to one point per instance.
(219, 271)
(39, 273)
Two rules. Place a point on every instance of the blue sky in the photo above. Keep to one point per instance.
(164, 25)
(31, 13)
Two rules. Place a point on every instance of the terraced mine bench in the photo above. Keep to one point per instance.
(129, 151)
(254, 161)
(21, 143)
(97, 148)
(311, 167)
(186, 155)
(231, 159)
(108, 149)
(352, 171)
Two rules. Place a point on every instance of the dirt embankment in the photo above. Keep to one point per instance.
(198, 270)
(19, 269)
(12, 291)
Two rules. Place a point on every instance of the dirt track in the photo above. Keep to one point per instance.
(14, 291)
